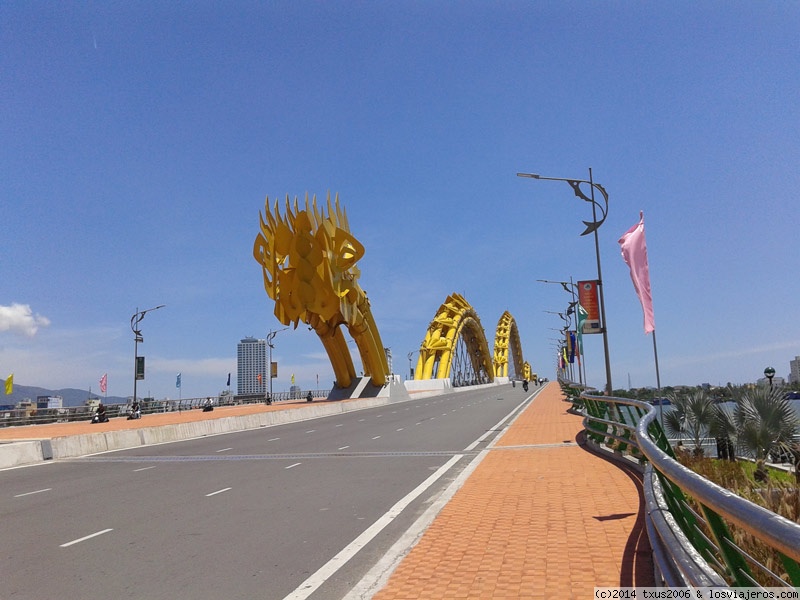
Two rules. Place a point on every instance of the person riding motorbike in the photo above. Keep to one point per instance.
(100, 415)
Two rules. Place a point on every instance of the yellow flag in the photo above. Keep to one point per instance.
(9, 384)
(292, 378)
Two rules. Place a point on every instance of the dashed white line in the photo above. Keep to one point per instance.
(31, 493)
(273, 439)
(376, 437)
(83, 539)
(218, 492)
(344, 448)
(144, 469)
(401, 429)
(224, 449)
(311, 431)
(293, 466)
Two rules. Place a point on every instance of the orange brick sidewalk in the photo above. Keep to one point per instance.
(540, 517)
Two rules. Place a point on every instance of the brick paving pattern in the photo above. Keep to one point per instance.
(540, 517)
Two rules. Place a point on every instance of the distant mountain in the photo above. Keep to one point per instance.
(71, 396)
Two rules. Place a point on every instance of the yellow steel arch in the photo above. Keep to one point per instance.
(506, 341)
(308, 262)
(454, 320)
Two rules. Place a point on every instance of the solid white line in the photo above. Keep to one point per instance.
(310, 585)
(224, 449)
(31, 493)
(144, 469)
(218, 492)
(293, 466)
(83, 539)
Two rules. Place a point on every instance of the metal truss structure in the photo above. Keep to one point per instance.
(455, 346)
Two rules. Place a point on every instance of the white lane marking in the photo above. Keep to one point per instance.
(377, 577)
(340, 425)
(514, 413)
(144, 469)
(87, 537)
(224, 449)
(293, 466)
(310, 585)
(218, 492)
(311, 431)
(376, 437)
(361, 420)
(344, 448)
(401, 429)
(31, 493)
(273, 439)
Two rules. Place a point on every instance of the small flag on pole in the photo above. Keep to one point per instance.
(634, 253)
(292, 378)
(10, 384)
(229, 380)
(104, 383)
(178, 381)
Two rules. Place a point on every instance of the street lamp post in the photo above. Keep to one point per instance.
(591, 227)
(271, 336)
(137, 337)
(570, 288)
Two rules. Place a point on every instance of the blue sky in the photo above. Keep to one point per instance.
(140, 141)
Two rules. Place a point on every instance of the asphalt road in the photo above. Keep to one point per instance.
(301, 510)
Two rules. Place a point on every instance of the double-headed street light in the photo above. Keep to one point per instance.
(138, 370)
(591, 227)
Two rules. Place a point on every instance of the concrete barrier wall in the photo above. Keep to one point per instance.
(93, 443)
(21, 453)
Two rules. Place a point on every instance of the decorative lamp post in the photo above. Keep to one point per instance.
(571, 288)
(271, 336)
(769, 373)
(591, 227)
(138, 371)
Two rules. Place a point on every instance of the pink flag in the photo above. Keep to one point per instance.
(634, 252)
(104, 382)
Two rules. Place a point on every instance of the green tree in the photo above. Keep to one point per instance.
(691, 415)
(764, 420)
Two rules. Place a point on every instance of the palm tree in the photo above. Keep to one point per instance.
(692, 415)
(764, 421)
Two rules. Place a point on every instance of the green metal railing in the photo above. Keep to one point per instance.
(693, 523)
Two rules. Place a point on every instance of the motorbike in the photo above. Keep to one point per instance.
(525, 385)
(100, 418)
(134, 413)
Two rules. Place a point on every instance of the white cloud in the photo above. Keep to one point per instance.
(19, 318)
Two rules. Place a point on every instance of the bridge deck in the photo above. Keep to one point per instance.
(540, 517)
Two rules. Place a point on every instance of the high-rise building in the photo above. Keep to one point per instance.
(794, 373)
(251, 366)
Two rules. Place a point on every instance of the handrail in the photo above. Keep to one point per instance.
(684, 554)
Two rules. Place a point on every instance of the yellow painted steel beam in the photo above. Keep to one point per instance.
(308, 261)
